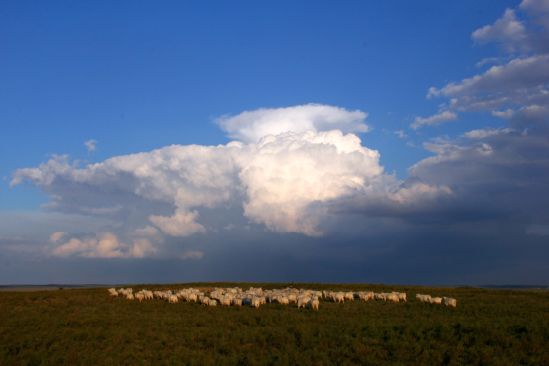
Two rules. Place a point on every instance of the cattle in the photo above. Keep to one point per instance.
(127, 292)
(379, 296)
(339, 297)
(172, 299)
(436, 300)
(314, 304)
(448, 301)
(302, 301)
(148, 294)
(365, 295)
(423, 298)
(255, 297)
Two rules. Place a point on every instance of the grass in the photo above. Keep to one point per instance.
(87, 326)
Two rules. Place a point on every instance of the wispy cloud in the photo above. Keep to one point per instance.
(436, 119)
(90, 145)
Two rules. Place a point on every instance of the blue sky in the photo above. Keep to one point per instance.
(139, 76)
(136, 76)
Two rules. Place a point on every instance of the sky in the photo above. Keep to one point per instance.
(349, 141)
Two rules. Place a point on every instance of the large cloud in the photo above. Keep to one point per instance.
(287, 180)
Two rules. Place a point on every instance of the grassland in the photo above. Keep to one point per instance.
(86, 326)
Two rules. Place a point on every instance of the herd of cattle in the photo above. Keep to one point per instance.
(255, 297)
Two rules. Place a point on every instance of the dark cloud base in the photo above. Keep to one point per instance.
(429, 258)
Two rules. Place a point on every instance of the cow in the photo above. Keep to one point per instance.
(448, 301)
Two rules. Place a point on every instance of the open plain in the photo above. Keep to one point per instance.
(87, 326)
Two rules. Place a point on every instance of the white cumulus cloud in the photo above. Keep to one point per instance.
(287, 180)
(282, 175)
(104, 245)
(180, 224)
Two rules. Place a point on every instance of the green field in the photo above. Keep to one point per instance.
(87, 326)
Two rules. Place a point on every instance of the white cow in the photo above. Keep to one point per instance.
(423, 298)
(449, 301)
(379, 296)
(314, 303)
(302, 301)
(365, 295)
(225, 300)
(148, 294)
(392, 297)
(436, 300)
(172, 299)
(205, 300)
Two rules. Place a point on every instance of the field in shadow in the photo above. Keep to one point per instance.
(87, 326)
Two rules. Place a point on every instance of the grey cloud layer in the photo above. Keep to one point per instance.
(517, 87)
(501, 173)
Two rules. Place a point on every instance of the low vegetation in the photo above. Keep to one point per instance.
(87, 326)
